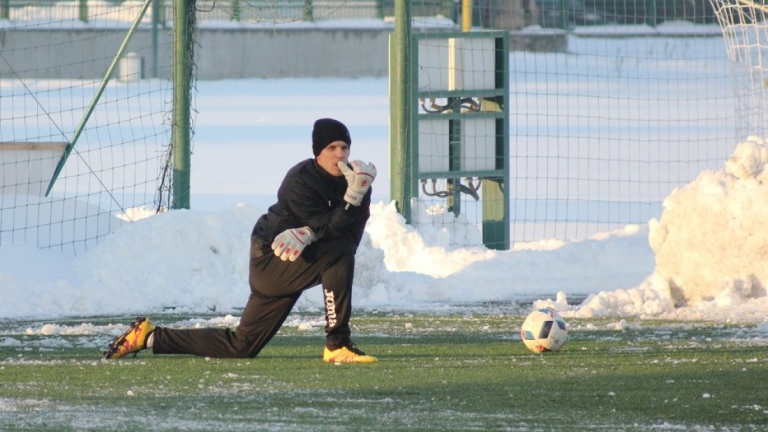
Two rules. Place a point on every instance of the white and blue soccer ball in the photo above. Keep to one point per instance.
(544, 330)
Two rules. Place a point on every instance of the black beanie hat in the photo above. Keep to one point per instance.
(326, 131)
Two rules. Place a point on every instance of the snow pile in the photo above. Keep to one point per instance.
(427, 250)
(710, 246)
(711, 242)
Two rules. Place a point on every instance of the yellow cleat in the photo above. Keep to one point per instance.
(347, 354)
(132, 341)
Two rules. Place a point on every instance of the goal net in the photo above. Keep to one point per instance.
(82, 151)
(745, 32)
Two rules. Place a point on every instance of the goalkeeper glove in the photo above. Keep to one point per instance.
(359, 180)
(289, 244)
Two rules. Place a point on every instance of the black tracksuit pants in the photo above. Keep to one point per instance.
(276, 285)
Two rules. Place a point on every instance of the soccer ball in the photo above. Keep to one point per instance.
(544, 330)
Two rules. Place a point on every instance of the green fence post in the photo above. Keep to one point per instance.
(182, 83)
(309, 14)
(496, 191)
(565, 14)
(495, 214)
(237, 10)
(154, 33)
(161, 13)
(5, 9)
(650, 15)
(82, 10)
(400, 167)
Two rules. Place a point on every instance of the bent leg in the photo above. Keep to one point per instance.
(330, 263)
(337, 296)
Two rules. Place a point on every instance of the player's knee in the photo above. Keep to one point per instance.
(245, 352)
(244, 347)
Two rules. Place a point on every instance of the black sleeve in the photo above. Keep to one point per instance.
(309, 206)
(350, 221)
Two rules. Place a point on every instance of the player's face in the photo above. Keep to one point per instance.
(329, 158)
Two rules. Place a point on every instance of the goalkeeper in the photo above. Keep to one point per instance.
(308, 238)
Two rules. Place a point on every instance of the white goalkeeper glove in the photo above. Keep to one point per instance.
(359, 180)
(289, 244)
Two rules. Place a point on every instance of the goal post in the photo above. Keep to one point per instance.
(183, 24)
(82, 153)
(744, 24)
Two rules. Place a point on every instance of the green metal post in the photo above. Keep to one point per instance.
(565, 14)
(5, 9)
(82, 10)
(495, 214)
(97, 96)
(182, 81)
(237, 10)
(161, 14)
(401, 169)
(453, 200)
(496, 191)
(650, 15)
(155, 32)
(309, 14)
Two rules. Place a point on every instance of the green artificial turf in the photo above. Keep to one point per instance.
(436, 372)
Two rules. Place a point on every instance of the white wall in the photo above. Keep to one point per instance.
(219, 53)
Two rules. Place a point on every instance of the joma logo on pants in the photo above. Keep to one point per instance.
(330, 308)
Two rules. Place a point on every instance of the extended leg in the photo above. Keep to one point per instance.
(261, 319)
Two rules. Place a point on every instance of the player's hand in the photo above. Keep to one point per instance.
(289, 244)
(359, 179)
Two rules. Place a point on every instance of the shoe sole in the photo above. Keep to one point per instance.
(351, 362)
(351, 359)
(117, 343)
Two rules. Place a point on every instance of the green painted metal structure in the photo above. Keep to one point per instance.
(482, 131)
(107, 76)
(182, 89)
(402, 181)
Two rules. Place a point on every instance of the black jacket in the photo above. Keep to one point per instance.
(310, 196)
